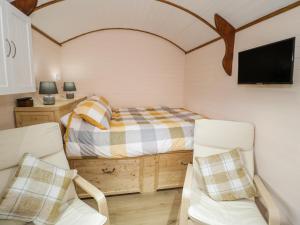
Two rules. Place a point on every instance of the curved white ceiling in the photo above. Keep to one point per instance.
(69, 18)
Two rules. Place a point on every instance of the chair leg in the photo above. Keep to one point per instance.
(183, 216)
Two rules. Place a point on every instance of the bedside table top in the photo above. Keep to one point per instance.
(38, 106)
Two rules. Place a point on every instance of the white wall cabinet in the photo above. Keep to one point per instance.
(16, 75)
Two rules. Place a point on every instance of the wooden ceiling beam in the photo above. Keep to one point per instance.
(203, 45)
(189, 12)
(47, 4)
(252, 23)
(227, 32)
(26, 6)
(230, 41)
(128, 29)
(45, 35)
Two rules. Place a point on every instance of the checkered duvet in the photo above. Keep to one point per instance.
(133, 132)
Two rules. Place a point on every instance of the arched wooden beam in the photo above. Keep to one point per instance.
(26, 6)
(223, 28)
(227, 32)
(162, 1)
(121, 28)
(47, 4)
(189, 12)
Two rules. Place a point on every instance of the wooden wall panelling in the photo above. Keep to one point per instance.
(227, 32)
(26, 6)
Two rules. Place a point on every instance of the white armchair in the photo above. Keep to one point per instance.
(45, 142)
(214, 137)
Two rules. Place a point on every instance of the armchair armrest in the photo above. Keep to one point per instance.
(186, 191)
(95, 193)
(267, 201)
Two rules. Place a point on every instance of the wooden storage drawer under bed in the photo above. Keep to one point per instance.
(112, 176)
(172, 169)
(134, 175)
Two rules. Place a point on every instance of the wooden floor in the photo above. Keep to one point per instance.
(159, 208)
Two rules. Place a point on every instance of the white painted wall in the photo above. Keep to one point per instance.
(127, 67)
(274, 109)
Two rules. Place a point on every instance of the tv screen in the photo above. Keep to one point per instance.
(268, 64)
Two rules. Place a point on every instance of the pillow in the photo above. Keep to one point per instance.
(36, 193)
(104, 102)
(94, 113)
(225, 177)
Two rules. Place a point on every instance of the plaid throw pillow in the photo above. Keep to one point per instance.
(225, 177)
(94, 113)
(36, 193)
(104, 102)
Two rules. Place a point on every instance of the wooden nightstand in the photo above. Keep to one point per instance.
(40, 113)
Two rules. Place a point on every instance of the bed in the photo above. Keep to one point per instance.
(145, 149)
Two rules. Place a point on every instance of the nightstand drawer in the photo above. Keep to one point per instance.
(31, 118)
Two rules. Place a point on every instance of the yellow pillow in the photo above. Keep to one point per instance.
(103, 101)
(225, 176)
(94, 113)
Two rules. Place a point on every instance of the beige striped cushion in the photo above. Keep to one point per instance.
(36, 193)
(225, 177)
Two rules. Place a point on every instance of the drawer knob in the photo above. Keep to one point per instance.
(107, 171)
(184, 163)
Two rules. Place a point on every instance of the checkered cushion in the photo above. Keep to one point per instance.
(225, 177)
(36, 193)
(94, 113)
(104, 102)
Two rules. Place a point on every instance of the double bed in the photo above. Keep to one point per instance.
(145, 149)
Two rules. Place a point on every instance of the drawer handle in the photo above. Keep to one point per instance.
(184, 163)
(9, 48)
(15, 49)
(107, 171)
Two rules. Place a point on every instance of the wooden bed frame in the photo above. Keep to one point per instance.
(132, 174)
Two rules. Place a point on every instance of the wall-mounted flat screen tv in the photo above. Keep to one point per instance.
(268, 64)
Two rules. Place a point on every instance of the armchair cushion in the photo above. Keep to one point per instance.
(205, 210)
(37, 192)
(79, 213)
(76, 212)
(225, 177)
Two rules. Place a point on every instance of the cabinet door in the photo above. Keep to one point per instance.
(5, 52)
(19, 33)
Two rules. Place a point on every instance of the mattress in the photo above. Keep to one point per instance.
(133, 132)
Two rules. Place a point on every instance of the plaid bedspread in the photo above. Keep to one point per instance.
(133, 132)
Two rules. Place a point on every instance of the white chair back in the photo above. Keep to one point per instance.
(217, 136)
(43, 141)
